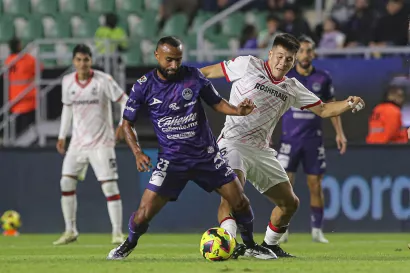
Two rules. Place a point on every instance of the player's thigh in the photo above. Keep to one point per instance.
(235, 158)
(104, 163)
(74, 163)
(282, 195)
(266, 171)
(168, 179)
(314, 157)
(289, 155)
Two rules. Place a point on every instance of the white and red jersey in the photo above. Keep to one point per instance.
(252, 78)
(92, 110)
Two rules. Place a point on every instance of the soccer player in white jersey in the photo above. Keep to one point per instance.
(87, 95)
(245, 140)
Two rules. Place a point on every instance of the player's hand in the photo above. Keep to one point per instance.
(143, 162)
(356, 103)
(119, 134)
(246, 107)
(61, 146)
(408, 133)
(341, 142)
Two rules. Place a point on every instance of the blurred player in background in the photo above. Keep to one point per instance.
(302, 135)
(244, 141)
(188, 150)
(87, 96)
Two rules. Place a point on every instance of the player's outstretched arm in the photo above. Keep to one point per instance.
(336, 108)
(142, 160)
(213, 71)
(243, 109)
(66, 116)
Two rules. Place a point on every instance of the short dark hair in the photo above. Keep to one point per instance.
(169, 40)
(306, 39)
(287, 41)
(82, 48)
(272, 17)
(15, 45)
(392, 90)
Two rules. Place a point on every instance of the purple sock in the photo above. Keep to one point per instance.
(135, 230)
(244, 220)
(316, 217)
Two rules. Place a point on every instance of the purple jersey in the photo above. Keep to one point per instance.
(176, 111)
(299, 124)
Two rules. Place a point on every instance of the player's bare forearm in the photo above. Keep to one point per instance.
(331, 109)
(226, 108)
(213, 71)
(131, 137)
(337, 124)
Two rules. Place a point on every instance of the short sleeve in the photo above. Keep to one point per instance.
(236, 68)
(328, 90)
(134, 102)
(112, 89)
(65, 98)
(209, 94)
(304, 98)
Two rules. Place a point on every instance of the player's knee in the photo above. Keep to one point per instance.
(68, 185)
(241, 204)
(315, 185)
(144, 215)
(111, 190)
(292, 205)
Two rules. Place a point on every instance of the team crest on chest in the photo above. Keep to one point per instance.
(316, 86)
(187, 94)
(94, 91)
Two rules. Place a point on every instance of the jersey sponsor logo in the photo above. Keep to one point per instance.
(85, 102)
(173, 106)
(187, 94)
(316, 86)
(271, 91)
(182, 135)
(142, 80)
(129, 108)
(190, 103)
(176, 121)
(155, 101)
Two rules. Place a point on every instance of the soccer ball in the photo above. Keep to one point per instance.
(10, 220)
(217, 244)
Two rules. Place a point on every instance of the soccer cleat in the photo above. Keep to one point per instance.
(122, 251)
(117, 239)
(66, 238)
(318, 237)
(238, 251)
(278, 251)
(260, 252)
(284, 238)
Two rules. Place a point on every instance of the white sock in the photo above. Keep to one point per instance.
(229, 225)
(114, 205)
(273, 234)
(69, 203)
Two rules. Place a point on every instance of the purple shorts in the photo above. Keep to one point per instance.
(170, 178)
(310, 151)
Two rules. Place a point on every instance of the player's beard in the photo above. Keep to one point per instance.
(305, 64)
(165, 74)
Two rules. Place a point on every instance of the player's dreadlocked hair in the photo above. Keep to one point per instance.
(169, 40)
(287, 41)
(82, 48)
(306, 39)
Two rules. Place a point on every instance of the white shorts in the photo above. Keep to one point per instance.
(103, 162)
(260, 167)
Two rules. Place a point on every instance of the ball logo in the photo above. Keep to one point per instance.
(187, 94)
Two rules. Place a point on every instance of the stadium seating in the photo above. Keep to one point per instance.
(44, 7)
(33, 19)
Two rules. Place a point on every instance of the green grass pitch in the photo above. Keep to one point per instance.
(169, 253)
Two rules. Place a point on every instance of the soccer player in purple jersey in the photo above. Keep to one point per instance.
(188, 150)
(302, 139)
